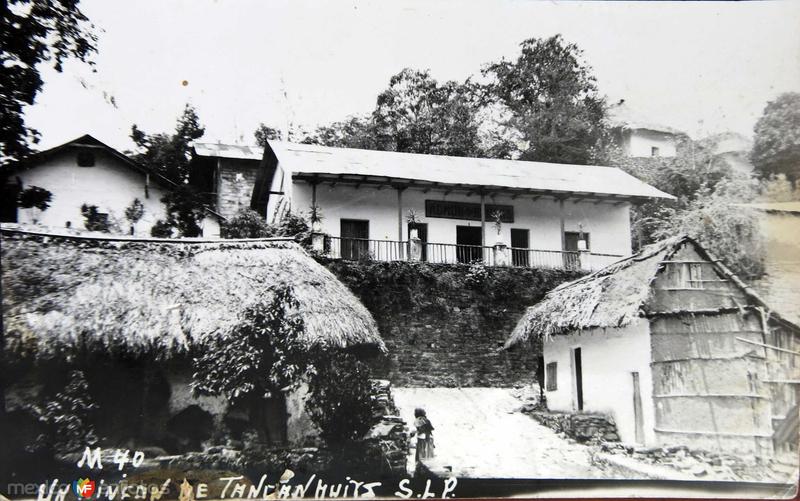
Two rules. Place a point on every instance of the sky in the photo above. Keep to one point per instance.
(703, 67)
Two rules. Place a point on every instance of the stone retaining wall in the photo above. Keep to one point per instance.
(581, 427)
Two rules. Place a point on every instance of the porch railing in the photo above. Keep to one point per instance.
(355, 249)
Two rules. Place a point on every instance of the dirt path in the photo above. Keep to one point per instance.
(479, 436)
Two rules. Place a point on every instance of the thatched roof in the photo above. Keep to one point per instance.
(611, 297)
(162, 296)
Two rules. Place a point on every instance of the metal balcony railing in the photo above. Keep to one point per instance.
(355, 249)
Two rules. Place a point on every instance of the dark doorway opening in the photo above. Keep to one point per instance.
(422, 234)
(469, 244)
(571, 238)
(520, 239)
(577, 358)
(354, 238)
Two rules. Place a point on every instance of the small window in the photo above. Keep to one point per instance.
(654, 151)
(551, 376)
(85, 158)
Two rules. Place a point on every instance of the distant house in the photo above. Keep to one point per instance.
(733, 149)
(547, 212)
(780, 227)
(642, 138)
(132, 313)
(675, 348)
(87, 171)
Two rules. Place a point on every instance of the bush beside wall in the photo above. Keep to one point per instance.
(445, 325)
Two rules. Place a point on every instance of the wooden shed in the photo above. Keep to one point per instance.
(675, 348)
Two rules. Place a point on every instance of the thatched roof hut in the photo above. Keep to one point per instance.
(611, 297)
(162, 296)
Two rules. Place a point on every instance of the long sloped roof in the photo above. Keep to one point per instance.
(162, 296)
(611, 297)
(482, 172)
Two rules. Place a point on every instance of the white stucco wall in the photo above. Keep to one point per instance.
(607, 224)
(609, 356)
(109, 184)
(639, 143)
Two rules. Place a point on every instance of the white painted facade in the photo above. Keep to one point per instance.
(608, 224)
(641, 143)
(609, 357)
(110, 184)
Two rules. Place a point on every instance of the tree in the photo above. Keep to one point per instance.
(340, 399)
(266, 133)
(167, 154)
(354, 132)
(718, 221)
(709, 193)
(417, 114)
(33, 32)
(776, 148)
(257, 358)
(134, 212)
(552, 100)
(185, 211)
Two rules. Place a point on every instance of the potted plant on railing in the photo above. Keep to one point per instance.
(497, 223)
(315, 216)
(414, 223)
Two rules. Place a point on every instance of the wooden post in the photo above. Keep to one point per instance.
(483, 219)
(314, 194)
(400, 213)
(563, 226)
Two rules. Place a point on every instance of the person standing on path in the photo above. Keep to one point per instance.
(424, 431)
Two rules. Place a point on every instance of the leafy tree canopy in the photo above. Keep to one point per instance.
(415, 114)
(552, 98)
(33, 32)
(168, 154)
(776, 149)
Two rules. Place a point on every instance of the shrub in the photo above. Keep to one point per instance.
(340, 400)
(67, 416)
(247, 223)
(257, 357)
(34, 196)
(94, 220)
(134, 212)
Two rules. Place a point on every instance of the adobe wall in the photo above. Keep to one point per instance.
(445, 325)
(608, 359)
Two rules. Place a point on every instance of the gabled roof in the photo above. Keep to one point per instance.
(89, 141)
(303, 160)
(154, 295)
(613, 296)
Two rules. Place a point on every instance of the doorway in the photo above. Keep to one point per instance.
(520, 239)
(577, 361)
(469, 244)
(422, 234)
(571, 238)
(354, 238)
